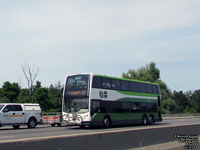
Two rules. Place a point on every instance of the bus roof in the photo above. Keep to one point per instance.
(111, 77)
(125, 79)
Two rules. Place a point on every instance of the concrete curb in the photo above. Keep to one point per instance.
(180, 116)
(119, 140)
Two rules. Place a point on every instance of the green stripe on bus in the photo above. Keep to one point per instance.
(138, 94)
(138, 100)
(122, 116)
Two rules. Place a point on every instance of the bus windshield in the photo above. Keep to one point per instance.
(76, 97)
(76, 105)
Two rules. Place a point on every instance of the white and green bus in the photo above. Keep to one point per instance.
(98, 100)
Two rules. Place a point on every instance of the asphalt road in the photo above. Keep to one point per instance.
(8, 134)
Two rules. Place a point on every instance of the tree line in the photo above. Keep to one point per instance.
(50, 98)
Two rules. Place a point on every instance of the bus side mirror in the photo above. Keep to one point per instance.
(6, 110)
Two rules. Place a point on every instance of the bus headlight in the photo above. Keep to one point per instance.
(78, 119)
(66, 118)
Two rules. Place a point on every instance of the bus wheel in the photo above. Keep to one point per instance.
(151, 119)
(106, 122)
(144, 120)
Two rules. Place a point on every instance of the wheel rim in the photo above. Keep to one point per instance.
(151, 120)
(144, 120)
(106, 122)
(32, 123)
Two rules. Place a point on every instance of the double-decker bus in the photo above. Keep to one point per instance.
(98, 100)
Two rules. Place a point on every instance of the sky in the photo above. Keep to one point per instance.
(106, 37)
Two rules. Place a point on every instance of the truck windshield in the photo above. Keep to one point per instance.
(1, 106)
(76, 94)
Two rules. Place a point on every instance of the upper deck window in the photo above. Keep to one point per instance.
(106, 83)
(116, 84)
(155, 89)
(125, 85)
(96, 83)
(77, 85)
(142, 87)
(149, 88)
(134, 86)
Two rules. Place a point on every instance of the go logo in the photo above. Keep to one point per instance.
(103, 94)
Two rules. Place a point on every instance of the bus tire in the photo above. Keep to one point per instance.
(82, 126)
(106, 122)
(32, 122)
(144, 120)
(151, 119)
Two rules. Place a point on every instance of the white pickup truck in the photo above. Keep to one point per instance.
(20, 114)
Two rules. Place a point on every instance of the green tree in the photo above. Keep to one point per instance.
(181, 100)
(24, 96)
(10, 92)
(169, 106)
(152, 74)
(195, 100)
(38, 84)
(55, 95)
(148, 73)
(42, 97)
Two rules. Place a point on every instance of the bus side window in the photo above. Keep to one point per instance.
(95, 106)
(125, 85)
(142, 87)
(149, 88)
(106, 83)
(134, 86)
(152, 107)
(157, 89)
(96, 83)
(125, 106)
(135, 107)
(116, 84)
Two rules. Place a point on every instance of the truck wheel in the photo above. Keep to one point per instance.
(32, 123)
(58, 124)
(53, 125)
(16, 126)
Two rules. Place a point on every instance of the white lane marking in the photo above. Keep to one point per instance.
(6, 137)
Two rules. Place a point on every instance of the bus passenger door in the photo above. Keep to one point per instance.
(159, 107)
